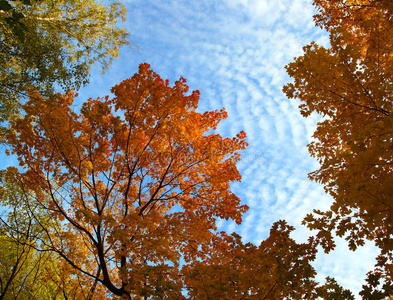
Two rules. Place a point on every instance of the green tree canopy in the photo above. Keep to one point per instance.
(49, 44)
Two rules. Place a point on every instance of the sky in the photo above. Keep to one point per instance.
(234, 53)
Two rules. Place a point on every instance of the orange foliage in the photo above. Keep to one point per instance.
(350, 84)
(137, 180)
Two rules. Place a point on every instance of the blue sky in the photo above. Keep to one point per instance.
(234, 52)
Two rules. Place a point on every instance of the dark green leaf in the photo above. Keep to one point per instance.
(4, 5)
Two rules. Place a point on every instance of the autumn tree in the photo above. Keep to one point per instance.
(136, 181)
(350, 85)
(48, 44)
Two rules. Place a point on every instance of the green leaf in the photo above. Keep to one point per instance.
(20, 34)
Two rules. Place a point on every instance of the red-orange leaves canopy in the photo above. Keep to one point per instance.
(138, 180)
